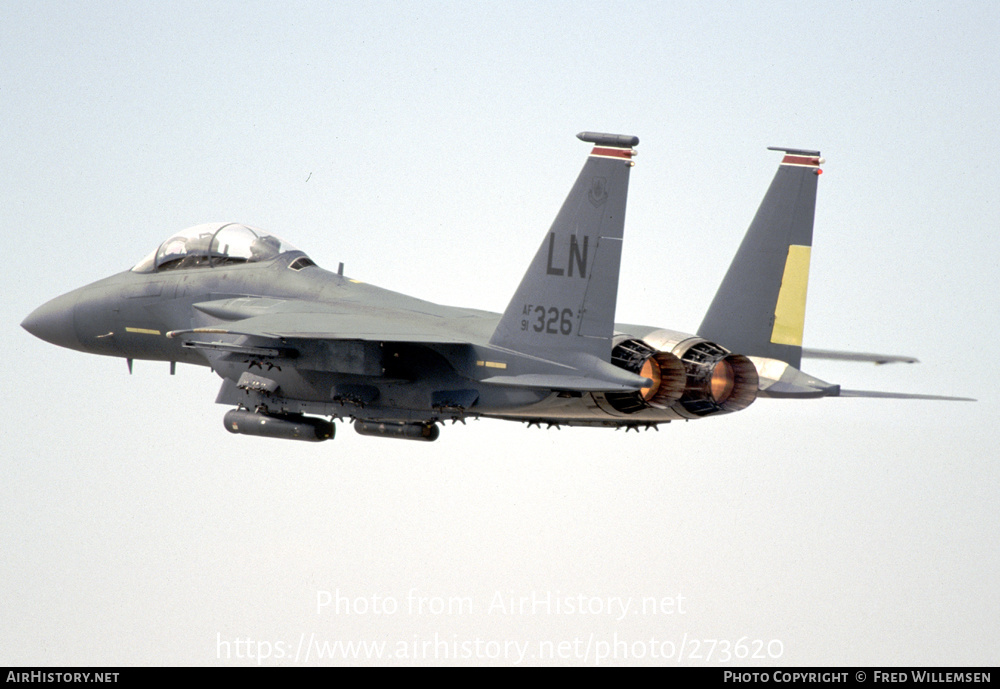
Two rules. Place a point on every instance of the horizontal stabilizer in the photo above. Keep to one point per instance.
(901, 396)
(857, 356)
(780, 380)
(785, 391)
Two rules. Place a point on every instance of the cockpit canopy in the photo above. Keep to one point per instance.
(213, 245)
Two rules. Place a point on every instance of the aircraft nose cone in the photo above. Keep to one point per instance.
(53, 322)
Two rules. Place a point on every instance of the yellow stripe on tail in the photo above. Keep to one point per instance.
(790, 310)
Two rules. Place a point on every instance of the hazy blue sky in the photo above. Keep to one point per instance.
(428, 145)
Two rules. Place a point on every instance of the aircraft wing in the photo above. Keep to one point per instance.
(857, 356)
(336, 327)
(296, 327)
(277, 319)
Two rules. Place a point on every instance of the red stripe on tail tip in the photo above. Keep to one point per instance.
(612, 152)
(800, 160)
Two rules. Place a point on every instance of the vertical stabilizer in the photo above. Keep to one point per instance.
(759, 309)
(565, 304)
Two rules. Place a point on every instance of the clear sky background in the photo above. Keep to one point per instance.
(428, 145)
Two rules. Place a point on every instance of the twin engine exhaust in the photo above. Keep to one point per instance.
(691, 376)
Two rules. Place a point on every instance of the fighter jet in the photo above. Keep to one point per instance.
(299, 347)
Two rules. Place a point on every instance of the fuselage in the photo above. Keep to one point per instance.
(131, 314)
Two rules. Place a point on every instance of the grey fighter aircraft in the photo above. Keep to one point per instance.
(294, 343)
